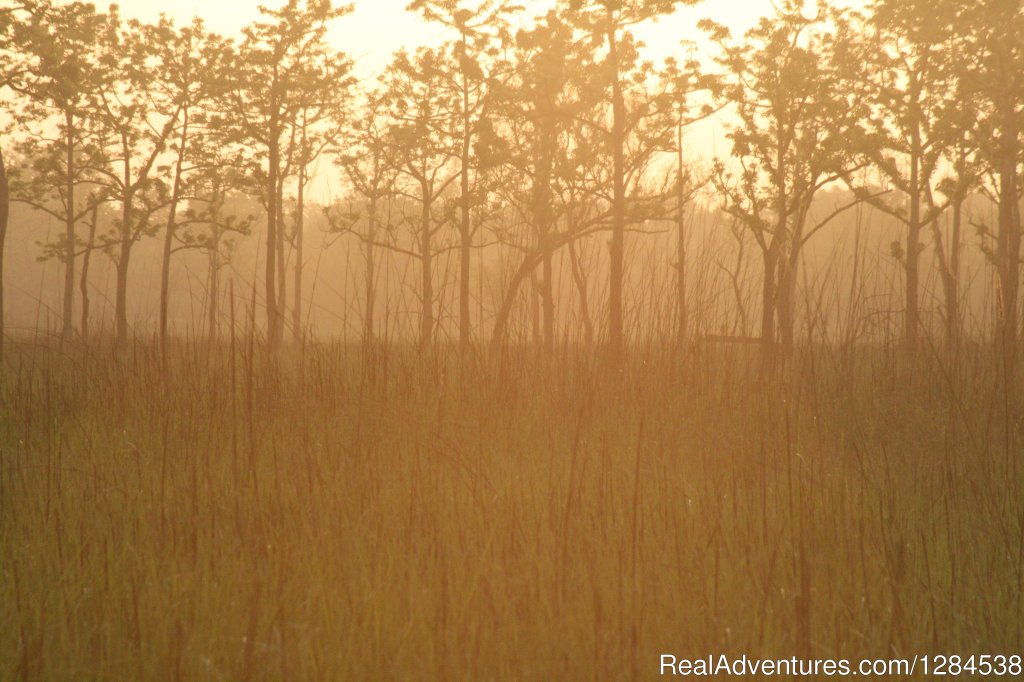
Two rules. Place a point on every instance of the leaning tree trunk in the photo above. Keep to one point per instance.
(83, 283)
(580, 280)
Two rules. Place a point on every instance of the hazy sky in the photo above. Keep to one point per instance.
(377, 28)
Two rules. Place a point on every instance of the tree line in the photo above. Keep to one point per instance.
(560, 123)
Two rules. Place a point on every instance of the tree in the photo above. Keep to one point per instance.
(797, 127)
(481, 29)
(215, 216)
(539, 108)
(683, 83)
(10, 72)
(422, 149)
(905, 82)
(363, 158)
(996, 75)
(136, 129)
(272, 73)
(607, 22)
(59, 75)
(187, 68)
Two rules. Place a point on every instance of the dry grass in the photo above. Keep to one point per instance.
(328, 516)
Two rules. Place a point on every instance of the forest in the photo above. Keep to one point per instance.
(536, 353)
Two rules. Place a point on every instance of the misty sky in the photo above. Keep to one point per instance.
(377, 28)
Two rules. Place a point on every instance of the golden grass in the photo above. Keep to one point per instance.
(329, 516)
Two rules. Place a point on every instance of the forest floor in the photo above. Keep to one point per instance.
(331, 515)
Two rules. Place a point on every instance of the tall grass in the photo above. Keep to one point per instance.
(215, 513)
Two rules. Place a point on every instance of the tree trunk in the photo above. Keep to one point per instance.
(69, 228)
(5, 208)
(617, 244)
(544, 225)
(682, 312)
(127, 239)
(299, 227)
(786, 304)
(579, 279)
(213, 292)
(213, 278)
(282, 274)
(1009, 237)
(371, 231)
(953, 289)
(768, 299)
(465, 229)
(274, 322)
(165, 265)
(427, 288)
(912, 319)
(525, 269)
(83, 284)
(547, 297)
(121, 303)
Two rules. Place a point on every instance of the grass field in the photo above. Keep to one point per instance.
(328, 515)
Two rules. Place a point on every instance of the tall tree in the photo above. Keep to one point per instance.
(363, 158)
(996, 74)
(420, 146)
(269, 78)
(538, 108)
(607, 22)
(796, 133)
(481, 29)
(904, 83)
(136, 128)
(59, 74)
(187, 80)
(690, 93)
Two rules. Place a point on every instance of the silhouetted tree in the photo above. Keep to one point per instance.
(607, 23)
(797, 121)
(273, 72)
(59, 75)
(363, 158)
(481, 29)
(689, 92)
(420, 146)
(993, 30)
(905, 83)
(136, 129)
(187, 69)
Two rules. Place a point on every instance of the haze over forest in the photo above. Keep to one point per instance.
(767, 183)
